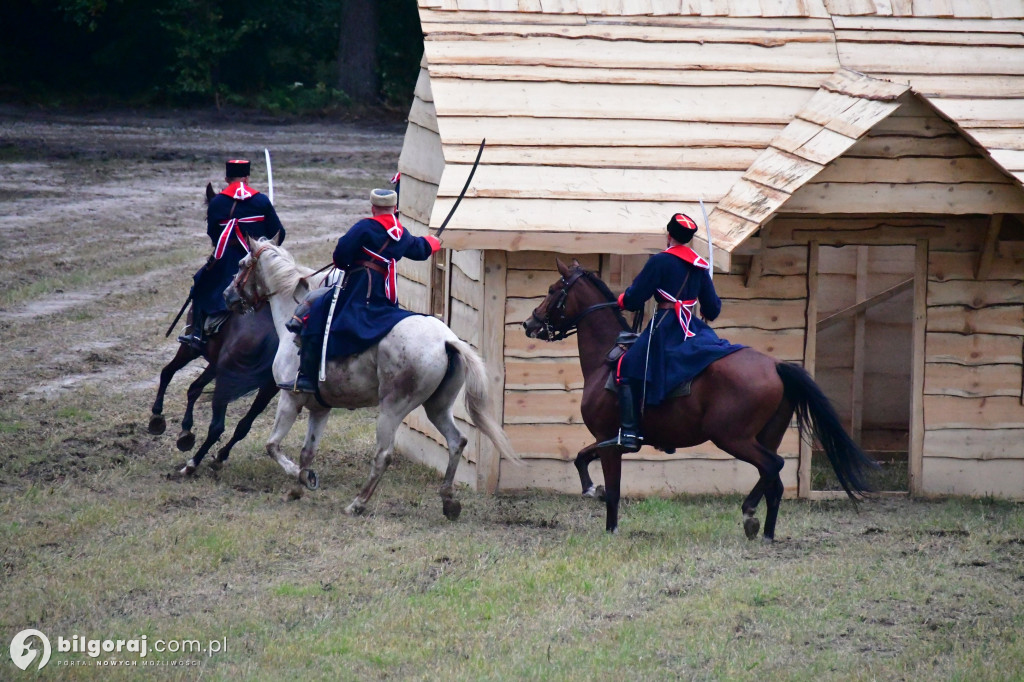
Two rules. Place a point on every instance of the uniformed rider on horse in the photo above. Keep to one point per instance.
(365, 303)
(235, 214)
(676, 346)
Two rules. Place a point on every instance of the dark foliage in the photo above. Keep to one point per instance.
(277, 55)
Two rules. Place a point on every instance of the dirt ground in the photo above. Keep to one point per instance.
(103, 224)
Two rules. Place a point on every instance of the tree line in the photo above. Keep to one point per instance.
(276, 55)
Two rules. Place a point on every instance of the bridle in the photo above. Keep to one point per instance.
(257, 299)
(568, 327)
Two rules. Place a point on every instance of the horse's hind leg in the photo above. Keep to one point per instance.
(439, 411)
(213, 433)
(769, 485)
(187, 439)
(263, 398)
(185, 355)
(770, 438)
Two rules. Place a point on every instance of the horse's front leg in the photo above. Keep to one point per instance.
(288, 409)
(611, 465)
(186, 439)
(583, 460)
(185, 355)
(263, 398)
(314, 433)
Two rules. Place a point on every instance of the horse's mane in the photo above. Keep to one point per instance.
(605, 291)
(281, 272)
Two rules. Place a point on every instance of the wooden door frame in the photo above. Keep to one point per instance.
(915, 451)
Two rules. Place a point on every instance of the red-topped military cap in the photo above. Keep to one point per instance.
(237, 168)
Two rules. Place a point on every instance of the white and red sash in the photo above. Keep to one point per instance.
(239, 191)
(684, 311)
(689, 255)
(232, 227)
(390, 279)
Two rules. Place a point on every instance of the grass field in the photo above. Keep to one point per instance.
(97, 540)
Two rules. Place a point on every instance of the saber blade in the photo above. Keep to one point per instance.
(464, 188)
(711, 249)
(270, 176)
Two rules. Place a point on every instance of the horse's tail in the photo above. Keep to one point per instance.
(478, 399)
(815, 414)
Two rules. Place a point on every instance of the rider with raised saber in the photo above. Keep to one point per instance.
(677, 345)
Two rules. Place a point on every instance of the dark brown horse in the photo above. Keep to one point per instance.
(240, 358)
(742, 403)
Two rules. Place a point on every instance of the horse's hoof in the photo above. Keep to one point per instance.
(750, 526)
(590, 492)
(188, 469)
(157, 424)
(307, 477)
(186, 441)
(599, 492)
(355, 509)
(216, 464)
(768, 540)
(452, 508)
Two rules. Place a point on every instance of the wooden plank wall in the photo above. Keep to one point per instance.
(968, 68)
(916, 162)
(570, 149)
(543, 385)
(974, 341)
(974, 411)
(747, 8)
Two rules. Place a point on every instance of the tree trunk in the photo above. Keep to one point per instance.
(357, 52)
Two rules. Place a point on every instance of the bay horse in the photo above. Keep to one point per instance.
(742, 403)
(239, 359)
(419, 362)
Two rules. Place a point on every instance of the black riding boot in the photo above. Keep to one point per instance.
(193, 336)
(629, 433)
(309, 365)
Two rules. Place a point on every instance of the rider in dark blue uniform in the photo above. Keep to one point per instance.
(237, 212)
(366, 308)
(676, 346)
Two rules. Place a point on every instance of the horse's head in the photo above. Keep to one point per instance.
(252, 285)
(565, 305)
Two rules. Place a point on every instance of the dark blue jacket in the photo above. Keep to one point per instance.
(675, 354)
(367, 307)
(253, 217)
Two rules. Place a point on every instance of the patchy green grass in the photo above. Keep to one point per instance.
(98, 539)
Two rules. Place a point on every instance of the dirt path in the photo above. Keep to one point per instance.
(103, 224)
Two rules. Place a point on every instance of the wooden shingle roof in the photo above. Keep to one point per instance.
(604, 117)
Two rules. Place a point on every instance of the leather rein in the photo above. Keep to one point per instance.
(568, 327)
(258, 299)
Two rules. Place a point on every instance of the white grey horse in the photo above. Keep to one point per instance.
(420, 362)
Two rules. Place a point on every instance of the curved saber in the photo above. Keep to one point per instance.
(270, 176)
(464, 188)
(711, 249)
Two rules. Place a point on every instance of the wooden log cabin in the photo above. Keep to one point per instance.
(862, 162)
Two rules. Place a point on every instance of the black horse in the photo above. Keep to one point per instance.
(240, 358)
